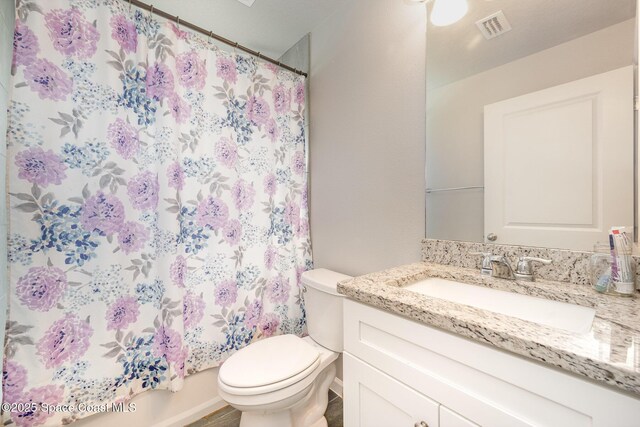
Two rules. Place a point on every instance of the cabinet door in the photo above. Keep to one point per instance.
(374, 399)
(448, 418)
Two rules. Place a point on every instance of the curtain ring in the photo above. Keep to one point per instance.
(129, 6)
(178, 21)
(151, 12)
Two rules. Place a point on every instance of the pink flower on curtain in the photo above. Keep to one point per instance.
(124, 138)
(299, 93)
(226, 68)
(181, 363)
(180, 109)
(269, 257)
(253, 313)
(167, 343)
(66, 339)
(270, 184)
(272, 130)
(278, 289)
(243, 195)
(192, 309)
(281, 99)
(212, 212)
(48, 80)
(40, 167)
(122, 313)
(182, 35)
(159, 81)
(292, 214)
(14, 380)
(191, 70)
(269, 324)
(232, 232)
(303, 228)
(178, 271)
(71, 33)
(258, 110)
(41, 288)
(226, 152)
(132, 237)
(175, 175)
(49, 394)
(124, 32)
(103, 213)
(226, 293)
(143, 190)
(298, 163)
(25, 45)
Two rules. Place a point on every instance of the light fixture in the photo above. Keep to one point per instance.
(446, 12)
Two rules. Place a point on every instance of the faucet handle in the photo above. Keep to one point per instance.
(486, 261)
(524, 268)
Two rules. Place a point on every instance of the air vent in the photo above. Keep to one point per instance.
(247, 2)
(493, 25)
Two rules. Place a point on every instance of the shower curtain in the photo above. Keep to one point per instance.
(158, 207)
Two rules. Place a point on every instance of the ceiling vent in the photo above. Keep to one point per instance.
(247, 2)
(493, 25)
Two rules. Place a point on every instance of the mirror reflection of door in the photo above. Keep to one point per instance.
(548, 45)
(559, 163)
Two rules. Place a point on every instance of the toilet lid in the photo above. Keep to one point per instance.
(268, 361)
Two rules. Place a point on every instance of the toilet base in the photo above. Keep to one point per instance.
(307, 412)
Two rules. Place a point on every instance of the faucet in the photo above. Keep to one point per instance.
(500, 267)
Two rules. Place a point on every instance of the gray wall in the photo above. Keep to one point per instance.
(7, 14)
(455, 120)
(368, 136)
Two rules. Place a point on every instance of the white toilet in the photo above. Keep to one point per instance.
(283, 381)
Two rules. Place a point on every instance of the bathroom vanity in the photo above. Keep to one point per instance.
(430, 360)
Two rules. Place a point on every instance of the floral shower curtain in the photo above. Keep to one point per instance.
(158, 216)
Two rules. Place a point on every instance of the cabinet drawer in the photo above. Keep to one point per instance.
(374, 399)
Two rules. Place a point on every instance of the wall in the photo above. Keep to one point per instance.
(7, 17)
(455, 121)
(368, 136)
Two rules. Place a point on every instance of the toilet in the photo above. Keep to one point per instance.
(283, 381)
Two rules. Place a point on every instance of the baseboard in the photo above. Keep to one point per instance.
(336, 386)
(194, 414)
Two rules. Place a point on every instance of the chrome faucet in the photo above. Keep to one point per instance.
(500, 267)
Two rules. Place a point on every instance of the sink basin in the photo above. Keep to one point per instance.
(561, 315)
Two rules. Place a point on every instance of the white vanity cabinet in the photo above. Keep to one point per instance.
(398, 372)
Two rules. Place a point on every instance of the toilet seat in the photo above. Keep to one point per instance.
(268, 365)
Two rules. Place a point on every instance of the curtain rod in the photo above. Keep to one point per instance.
(213, 35)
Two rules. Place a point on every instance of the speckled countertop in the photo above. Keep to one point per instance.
(609, 353)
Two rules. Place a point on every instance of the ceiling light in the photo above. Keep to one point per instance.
(446, 12)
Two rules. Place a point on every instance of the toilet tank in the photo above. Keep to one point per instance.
(323, 305)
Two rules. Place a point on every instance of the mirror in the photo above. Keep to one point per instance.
(530, 123)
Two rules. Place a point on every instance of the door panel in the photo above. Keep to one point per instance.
(559, 163)
(377, 400)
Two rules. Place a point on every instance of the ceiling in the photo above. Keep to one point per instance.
(460, 50)
(269, 26)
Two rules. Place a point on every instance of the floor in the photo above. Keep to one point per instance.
(229, 417)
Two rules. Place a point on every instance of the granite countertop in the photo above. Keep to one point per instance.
(609, 352)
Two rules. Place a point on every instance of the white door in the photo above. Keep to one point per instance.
(374, 399)
(558, 163)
